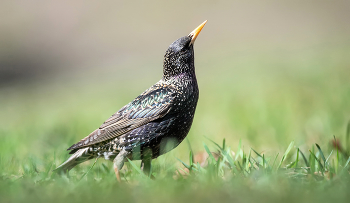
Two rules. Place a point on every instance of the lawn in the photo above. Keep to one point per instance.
(260, 113)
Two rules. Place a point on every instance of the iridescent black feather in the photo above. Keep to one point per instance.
(162, 113)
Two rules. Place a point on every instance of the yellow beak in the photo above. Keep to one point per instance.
(196, 32)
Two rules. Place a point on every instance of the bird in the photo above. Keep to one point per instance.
(153, 123)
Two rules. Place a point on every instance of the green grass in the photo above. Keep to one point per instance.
(270, 109)
(246, 176)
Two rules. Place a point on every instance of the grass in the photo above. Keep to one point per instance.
(270, 125)
(240, 176)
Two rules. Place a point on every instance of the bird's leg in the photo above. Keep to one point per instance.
(118, 163)
(146, 166)
(117, 174)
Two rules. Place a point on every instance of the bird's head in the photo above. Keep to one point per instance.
(179, 57)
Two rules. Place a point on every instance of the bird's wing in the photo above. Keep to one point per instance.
(152, 104)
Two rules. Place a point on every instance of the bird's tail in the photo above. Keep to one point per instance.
(78, 157)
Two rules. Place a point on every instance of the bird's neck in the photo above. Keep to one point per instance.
(178, 66)
(183, 75)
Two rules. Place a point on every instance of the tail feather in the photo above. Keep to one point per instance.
(78, 157)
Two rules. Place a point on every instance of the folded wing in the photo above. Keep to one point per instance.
(152, 104)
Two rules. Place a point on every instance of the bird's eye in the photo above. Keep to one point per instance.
(185, 46)
(183, 49)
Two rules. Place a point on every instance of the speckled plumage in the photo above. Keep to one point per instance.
(162, 113)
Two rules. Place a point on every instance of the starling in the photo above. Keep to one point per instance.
(144, 128)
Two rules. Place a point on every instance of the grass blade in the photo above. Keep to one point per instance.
(347, 138)
(329, 156)
(88, 170)
(286, 153)
(248, 160)
(257, 153)
(134, 166)
(183, 163)
(296, 160)
(261, 156)
(209, 153)
(221, 149)
(337, 158)
(346, 164)
(305, 160)
(223, 144)
(191, 159)
(318, 161)
(322, 155)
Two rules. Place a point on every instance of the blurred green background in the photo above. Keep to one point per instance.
(269, 72)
